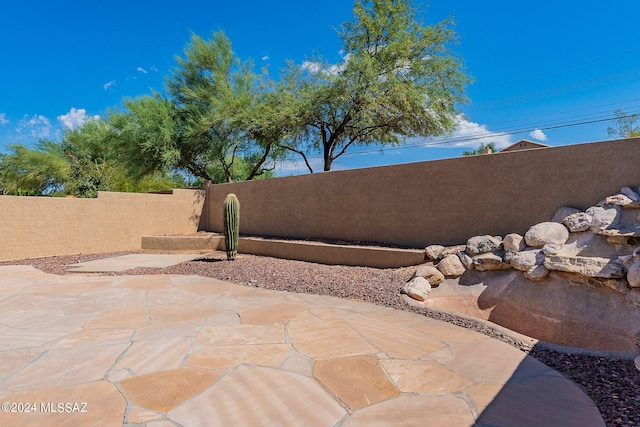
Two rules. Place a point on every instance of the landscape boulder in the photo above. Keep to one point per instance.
(430, 273)
(417, 288)
(564, 212)
(433, 252)
(586, 266)
(604, 217)
(546, 233)
(577, 222)
(628, 191)
(617, 199)
(536, 273)
(633, 275)
(514, 242)
(451, 266)
(482, 244)
(465, 259)
(489, 261)
(524, 260)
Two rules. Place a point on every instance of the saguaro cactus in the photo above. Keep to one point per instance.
(231, 225)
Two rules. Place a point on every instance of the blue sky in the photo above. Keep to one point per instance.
(539, 67)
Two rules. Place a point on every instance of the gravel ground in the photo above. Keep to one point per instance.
(612, 383)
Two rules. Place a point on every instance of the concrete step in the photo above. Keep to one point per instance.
(322, 253)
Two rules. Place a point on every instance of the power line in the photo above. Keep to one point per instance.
(474, 137)
(563, 68)
(559, 90)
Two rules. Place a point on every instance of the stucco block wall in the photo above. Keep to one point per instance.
(44, 226)
(442, 201)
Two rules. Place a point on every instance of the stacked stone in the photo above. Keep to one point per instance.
(600, 246)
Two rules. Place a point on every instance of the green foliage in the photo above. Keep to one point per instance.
(37, 171)
(626, 125)
(82, 164)
(231, 225)
(220, 121)
(481, 148)
(399, 79)
(215, 124)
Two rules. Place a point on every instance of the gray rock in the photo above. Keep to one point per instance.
(429, 272)
(617, 199)
(633, 275)
(546, 233)
(633, 296)
(465, 259)
(451, 266)
(604, 217)
(524, 260)
(628, 191)
(482, 244)
(452, 250)
(489, 261)
(563, 212)
(433, 252)
(536, 273)
(637, 363)
(578, 222)
(627, 260)
(514, 242)
(417, 288)
(586, 266)
(550, 249)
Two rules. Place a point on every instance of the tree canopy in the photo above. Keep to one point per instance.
(212, 123)
(481, 149)
(398, 79)
(219, 120)
(625, 126)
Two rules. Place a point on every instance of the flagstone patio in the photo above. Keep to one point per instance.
(162, 351)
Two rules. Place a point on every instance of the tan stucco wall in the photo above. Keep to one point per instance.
(434, 202)
(44, 226)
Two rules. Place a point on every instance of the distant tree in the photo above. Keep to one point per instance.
(481, 149)
(34, 171)
(81, 165)
(398, 79)
(626, 125)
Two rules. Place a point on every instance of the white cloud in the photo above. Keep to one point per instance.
(312, 67)
(142, 70)
(265, 58)
(108, 85)
(75, 118)
(3, 119)
(332, 70)
(154, 69)
(538, 134)
(471, 134)
(38, 126)
(297, 166)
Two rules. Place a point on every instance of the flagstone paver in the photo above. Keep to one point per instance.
(97, 403)
(253, 396)
(415, 411)
(357, 381)
(424, 376)
(170, 388)
(158, 351)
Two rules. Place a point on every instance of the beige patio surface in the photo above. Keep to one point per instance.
(188, 351)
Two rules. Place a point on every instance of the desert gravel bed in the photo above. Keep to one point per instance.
(612, 383)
